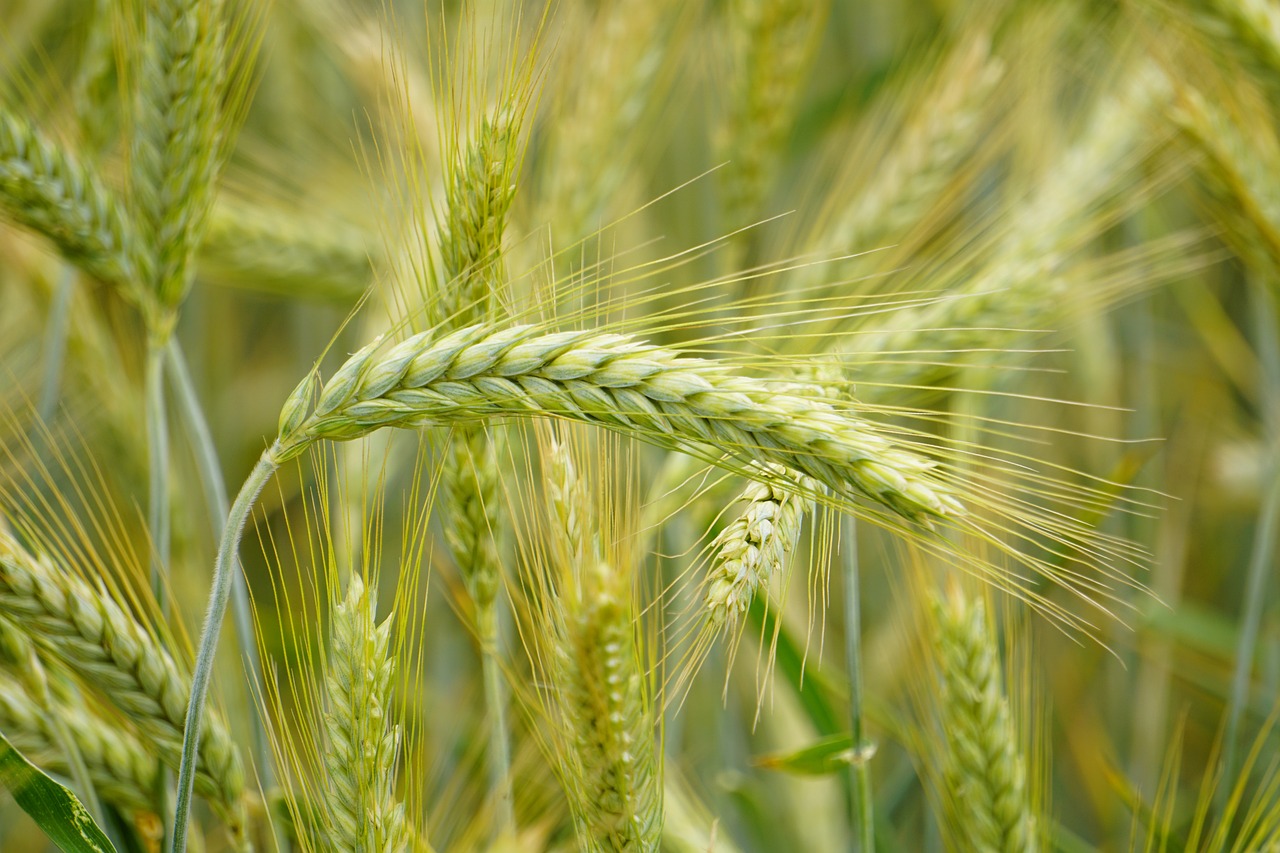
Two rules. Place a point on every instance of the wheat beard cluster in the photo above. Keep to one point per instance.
(620, 382)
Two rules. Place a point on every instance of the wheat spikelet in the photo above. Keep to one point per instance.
(179, 130)
(982, 769)
(121, 770)
(469, 490)
(48, 190)
(752, 549)
(292, 252)
(97, 640)
(600, 695)
(607, 94)
(619, 382)
(473, 221)
(1253, 26)
(777, 40)
(364, 816)
(617, 798)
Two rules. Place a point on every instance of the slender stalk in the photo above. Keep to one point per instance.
(495, 701)
(158, 474)
(864, 837)
(55, 343)
(215, 490)
(1264, 542)
(219, 595)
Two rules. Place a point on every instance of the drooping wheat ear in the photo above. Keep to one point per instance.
(1240, 171)
(121, 770)
(178, 132)
(473, 220)
(611, 770)
(776, 42)
(292, 252)
(114, 654)
(362, 741)
(620, 382)
(983, 770)
(48, 190)
(937, 137)
(1023, 285)
(752, 549)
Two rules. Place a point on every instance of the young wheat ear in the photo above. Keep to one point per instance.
(983, 770)
(619, 382)
(361, 759)
(752, 549)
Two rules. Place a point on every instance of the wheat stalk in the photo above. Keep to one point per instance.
(109, 650)
(362, 741)
(982, 768)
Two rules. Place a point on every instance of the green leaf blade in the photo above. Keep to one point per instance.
(53, 807)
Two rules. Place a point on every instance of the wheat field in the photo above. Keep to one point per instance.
(686, 425)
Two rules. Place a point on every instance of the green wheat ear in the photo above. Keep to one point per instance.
(982, 769)
(362, 740)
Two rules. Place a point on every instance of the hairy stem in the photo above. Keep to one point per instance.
(219, 595)
(158, 521)
(215, 489)
(860, 770)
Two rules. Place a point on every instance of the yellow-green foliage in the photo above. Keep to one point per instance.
(628, 358)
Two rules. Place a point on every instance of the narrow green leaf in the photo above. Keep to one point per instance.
(832, 754)
(54, 808)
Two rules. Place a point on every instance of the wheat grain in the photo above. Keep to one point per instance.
(619, 382)
(96, 639)
(362, 741)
